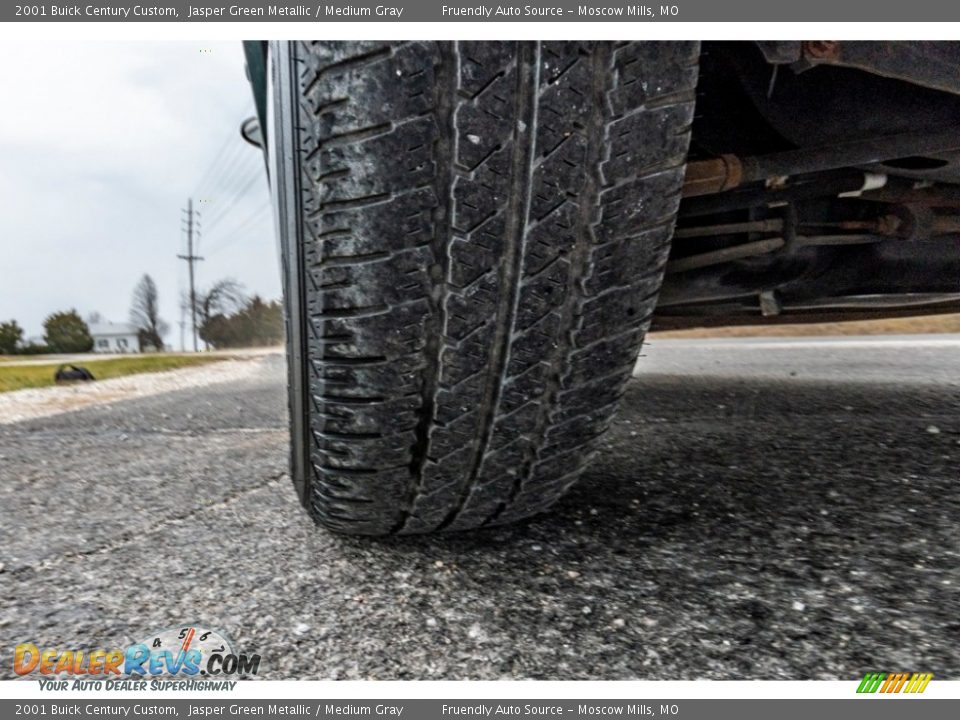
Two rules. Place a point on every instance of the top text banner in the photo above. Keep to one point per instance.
(435, 11)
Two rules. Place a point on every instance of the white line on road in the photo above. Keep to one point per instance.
(827, 342)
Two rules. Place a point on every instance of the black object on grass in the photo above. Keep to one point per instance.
(73, 373)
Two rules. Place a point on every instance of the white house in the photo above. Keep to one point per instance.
(114, 338)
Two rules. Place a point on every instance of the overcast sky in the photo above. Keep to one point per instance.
(101, 144)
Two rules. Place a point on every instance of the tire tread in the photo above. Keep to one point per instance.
(486, 226)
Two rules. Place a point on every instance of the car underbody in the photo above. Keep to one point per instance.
(821, 185)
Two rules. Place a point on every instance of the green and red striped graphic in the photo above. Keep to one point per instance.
(894, 682)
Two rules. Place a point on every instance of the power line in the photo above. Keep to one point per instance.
(237, 197)
(232, 137)
(233, 235)
(250, 217)
(211, 170)
(237, 169)
(233, 165)
(235, 177)
(255, 232)
(229, 201)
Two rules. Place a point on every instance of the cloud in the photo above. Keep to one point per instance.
(100, 146)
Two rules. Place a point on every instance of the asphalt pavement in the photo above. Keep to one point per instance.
(761, 509)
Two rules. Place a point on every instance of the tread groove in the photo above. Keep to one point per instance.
(579, 268)
(445, 94)
(350, 62)
(518, 212)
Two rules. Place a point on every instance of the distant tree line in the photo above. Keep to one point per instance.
(64, 332)
(11, 335)
(226, 318)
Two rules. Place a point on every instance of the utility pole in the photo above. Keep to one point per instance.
(191, 259)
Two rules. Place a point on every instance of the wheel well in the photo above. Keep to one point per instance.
(816, 187)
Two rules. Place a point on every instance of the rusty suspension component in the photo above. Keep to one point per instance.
(716, 175)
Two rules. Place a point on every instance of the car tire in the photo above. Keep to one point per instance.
(473, 237)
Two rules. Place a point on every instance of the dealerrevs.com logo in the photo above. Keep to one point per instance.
(186, 651)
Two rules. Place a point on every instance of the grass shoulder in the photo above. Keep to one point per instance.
(19, 377)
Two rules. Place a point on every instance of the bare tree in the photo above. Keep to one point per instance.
(222, 298)
(145, 314)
